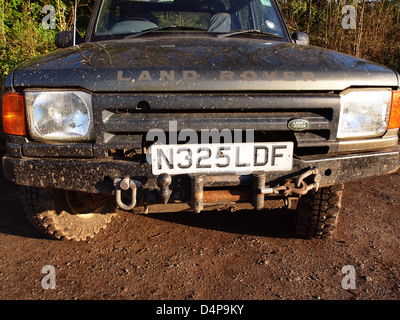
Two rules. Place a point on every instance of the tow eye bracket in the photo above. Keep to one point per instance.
(126, 184)
(300, 187)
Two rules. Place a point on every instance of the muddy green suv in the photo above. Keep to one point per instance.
(194, 105)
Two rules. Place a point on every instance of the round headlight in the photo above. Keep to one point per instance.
(60, 115)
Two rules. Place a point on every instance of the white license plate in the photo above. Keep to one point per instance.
(221, 158)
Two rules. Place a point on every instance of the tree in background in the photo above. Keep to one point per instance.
(22, 34)
(375, 37)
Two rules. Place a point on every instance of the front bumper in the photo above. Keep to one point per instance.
(98, 175)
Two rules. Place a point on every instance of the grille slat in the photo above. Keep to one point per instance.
(265, 121)
(122, 121)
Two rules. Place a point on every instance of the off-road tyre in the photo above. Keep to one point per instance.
(318, 212)
(52, 213)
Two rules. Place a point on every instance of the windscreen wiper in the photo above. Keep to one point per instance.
(168, 28)
(250, 32)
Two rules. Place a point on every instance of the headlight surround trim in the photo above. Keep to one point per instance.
(59, 115)
(364, 113)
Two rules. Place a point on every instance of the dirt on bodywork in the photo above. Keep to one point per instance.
(212, 255)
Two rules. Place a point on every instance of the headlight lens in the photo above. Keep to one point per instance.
(364, 113)
(59, 115)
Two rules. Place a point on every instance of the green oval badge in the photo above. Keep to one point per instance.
(298, 124)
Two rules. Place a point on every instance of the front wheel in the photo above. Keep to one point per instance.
(318, 212)
(67, 215)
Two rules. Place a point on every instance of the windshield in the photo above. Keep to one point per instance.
(125, 18)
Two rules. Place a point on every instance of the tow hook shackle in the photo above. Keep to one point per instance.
(126, 184)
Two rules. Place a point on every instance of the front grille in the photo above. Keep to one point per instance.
(123, 121)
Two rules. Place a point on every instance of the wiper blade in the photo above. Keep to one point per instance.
(251, 32)
(168, 28)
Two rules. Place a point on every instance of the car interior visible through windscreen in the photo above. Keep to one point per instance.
(121, 18)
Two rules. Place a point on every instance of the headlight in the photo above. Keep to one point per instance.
(364, 113)
(59, 115)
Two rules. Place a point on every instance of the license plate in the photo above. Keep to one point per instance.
(221, 158)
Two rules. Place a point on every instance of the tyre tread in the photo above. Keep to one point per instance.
(318, 212)
(40, 208)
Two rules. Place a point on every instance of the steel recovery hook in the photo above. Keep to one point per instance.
(126, 184)
(300, 186)
(317, 178)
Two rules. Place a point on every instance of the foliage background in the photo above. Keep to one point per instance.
(22, 35)
(376, 36)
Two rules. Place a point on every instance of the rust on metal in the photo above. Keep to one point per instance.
(223, 196)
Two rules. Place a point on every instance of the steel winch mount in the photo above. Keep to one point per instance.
(249, 188)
